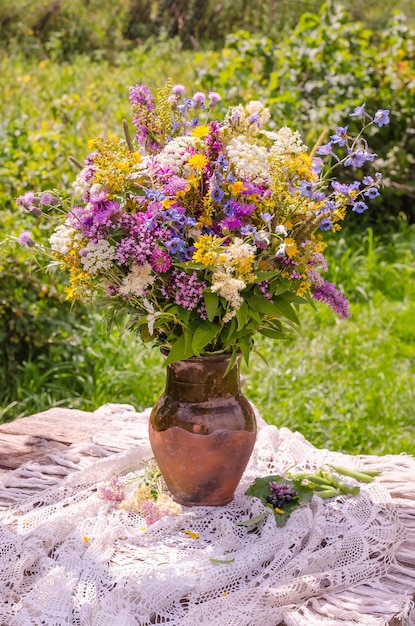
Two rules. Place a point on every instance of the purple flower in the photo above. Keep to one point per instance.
(140, 96)
(199, 98)
(357, 158)
(178, 90)
(359, 207)
(175, 245)
(326, 149)
(371, 193)
(329, 294)
(359, 111)
(25, 239)
(113, 491)
(217, 194)
(160, 261)
(381, 117)
(340, 137)
(325, 224)
(214, 97)
(48, 199)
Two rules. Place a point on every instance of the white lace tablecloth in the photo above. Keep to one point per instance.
(69, 558)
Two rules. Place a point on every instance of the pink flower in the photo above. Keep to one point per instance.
(160, 261)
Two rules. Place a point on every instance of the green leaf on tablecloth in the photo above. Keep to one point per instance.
(261, 489)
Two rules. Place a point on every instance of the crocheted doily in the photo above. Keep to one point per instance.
(69, 558)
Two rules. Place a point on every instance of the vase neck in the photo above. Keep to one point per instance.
(201, 379)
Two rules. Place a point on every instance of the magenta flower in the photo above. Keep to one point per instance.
(160, 261)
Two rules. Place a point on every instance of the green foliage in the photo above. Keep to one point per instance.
(313, 78)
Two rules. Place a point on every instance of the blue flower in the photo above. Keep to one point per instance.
(326, 149)
(217, 194)
(341, 136)
(194, 122)
(222, 162)
(306, 188)
(325, 224)
(359, 207)
(230, 178)
(267, 217)
(175, 245)
(371, 193)
(248, 230)
(359, 111)
(357, 158)
(381, 117)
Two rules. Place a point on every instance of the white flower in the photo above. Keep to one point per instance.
(176, 153)
(257, 108)
(97, 257)
(249, 160)
(61, 240)
(281, 230)
(228, 287)
(287, 142)
(136, 282)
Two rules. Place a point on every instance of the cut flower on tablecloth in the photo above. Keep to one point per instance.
(205, 231)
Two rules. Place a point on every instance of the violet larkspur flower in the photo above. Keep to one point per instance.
(357, 158)
(359, 111)
(326, 149)
(359, 207)
(371, 193)
(217, 194)
(329, 294)
(340, 137)
(325, 224)
(381, 117)
(175, 245)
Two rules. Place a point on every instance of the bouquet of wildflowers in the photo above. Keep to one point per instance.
(205, 231)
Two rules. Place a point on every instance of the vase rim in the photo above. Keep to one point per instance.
(205, 357)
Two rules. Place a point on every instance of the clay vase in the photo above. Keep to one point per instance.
(202, 431)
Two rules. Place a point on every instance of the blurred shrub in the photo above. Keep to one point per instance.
(313, 77)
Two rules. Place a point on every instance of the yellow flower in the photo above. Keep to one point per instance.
(200, 131)
(191, 534)
(208, 248)
(198, 161)
(303, 288)
(236, 187)
(291, 248)
(86, 539)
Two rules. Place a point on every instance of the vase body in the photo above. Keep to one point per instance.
(202, 431)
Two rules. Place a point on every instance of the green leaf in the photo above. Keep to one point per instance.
(203, 335)
(242, 315)
(182, 349)
(274, 334)
(211, 303)
(244, 344)
(221, 561)
(253, 520)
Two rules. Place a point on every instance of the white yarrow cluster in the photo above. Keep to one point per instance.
(238, 252)
(250, 161)
(176, 153)
(286, 142)
(228, 287)
(137, 281)
(97, 257)
(62, 239)
(255, 107)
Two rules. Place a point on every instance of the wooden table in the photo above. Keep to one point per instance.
(37, 437)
